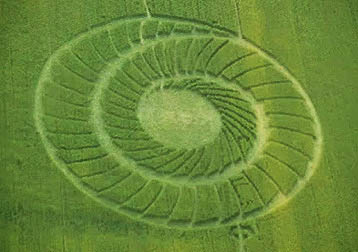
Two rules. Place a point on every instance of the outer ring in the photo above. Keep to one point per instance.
(51, 150)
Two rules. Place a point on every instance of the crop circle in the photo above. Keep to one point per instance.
(176, 123)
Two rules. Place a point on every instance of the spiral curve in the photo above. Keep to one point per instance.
(176, 123)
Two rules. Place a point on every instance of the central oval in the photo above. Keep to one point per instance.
(179, 119)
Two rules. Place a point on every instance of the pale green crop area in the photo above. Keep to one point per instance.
(178, 126)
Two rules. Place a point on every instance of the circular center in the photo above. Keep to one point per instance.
(179, 118)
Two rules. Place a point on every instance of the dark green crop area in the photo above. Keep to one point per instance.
(195, 125)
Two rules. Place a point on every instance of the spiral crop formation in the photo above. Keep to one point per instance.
(176, 123)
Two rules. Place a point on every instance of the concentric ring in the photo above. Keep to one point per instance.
(86, 111)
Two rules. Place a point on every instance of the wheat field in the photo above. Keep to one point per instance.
(194, 125)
